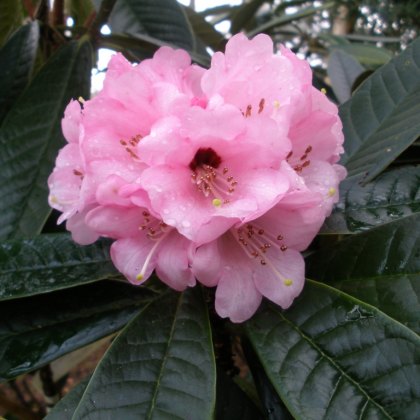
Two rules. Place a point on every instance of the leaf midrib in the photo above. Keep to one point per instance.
(332, 362)
(34, 180)
(164, 361)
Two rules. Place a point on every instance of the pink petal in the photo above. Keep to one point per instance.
(80, 232)
(71, 121)
(129, 255)
(173, 265)
(114, 221)
(206, 264)
(282, 279)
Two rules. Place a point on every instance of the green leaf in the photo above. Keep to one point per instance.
(368, 55)
(204, 31)
(244, 14)
(160, 19)
(34, 331)
(333, 357)
(274, 406)
(232, 403)
(11, 16)
(17, 58)
(160, 366)
(380, 267)
(287, 18)
(31, 136)
(343, 70)
(381, 119)
(50, 262)
(391, 196)
(64, 409)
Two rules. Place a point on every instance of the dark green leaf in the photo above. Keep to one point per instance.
(160, 19)
(17, 58)
(11, 16)
(274, 406)
(381, 119)
(31, 136)
(380, 267)
(368, 55)
(333, 357)
(64, 409)
(34, 331)
(343, 70)
(391, 196)
(50, 262)
(287, 18)
(204, 31)
(232, 403)
(160, 366)
(244, 14)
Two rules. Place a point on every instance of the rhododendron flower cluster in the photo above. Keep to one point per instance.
(221, 176)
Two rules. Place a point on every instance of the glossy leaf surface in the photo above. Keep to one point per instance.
(381, 119)
(50, 262)
(160, 366)
(391, 196)
(381, 267)
(37, 330)
(160, 19)
(343, 70)
(17, 58)
(64, 409)
(331, 357)
(31, 136)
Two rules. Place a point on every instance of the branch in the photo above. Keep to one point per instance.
(101, 18)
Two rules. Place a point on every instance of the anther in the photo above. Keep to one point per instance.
(283, 248)
(279, 238)
(287, 282)
(248, 111)
(331, 191)
(308, 149)
(261, 106)
(289, 155)
(77, 173)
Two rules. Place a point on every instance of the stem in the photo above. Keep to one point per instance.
(58, 13)
(101, 18)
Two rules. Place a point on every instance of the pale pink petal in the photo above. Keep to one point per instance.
(173, 265)
(130, 254)
(282, 279)
(71, 121)
(207, 264)
(80, 232)
(115, 222)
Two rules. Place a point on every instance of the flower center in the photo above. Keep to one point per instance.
(210, 179)
(256, 243)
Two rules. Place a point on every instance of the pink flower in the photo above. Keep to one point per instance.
(224, 175)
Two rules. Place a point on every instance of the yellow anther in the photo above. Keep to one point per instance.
(331, 191)
(288, 282)
(139, 277)
(53, 199)
(276, 104)
(324, 91)
(217, 202)
(81, 100)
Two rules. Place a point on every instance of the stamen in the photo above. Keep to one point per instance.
(324, 91)
(258, 245)
(156, 231)
(331, 191)
(248, 111)
(261, 106)
(217, 202)
(276, 104)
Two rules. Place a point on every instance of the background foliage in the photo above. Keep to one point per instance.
(347, 348)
